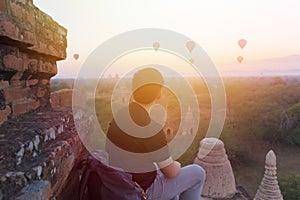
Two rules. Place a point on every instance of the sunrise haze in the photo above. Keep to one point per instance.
(271, 28)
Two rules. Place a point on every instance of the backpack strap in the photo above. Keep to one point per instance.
(143, 193)
(81, 164)
(83, 182)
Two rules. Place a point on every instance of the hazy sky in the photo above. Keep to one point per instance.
(271, 28)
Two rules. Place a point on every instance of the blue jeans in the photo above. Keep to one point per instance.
(187, 185)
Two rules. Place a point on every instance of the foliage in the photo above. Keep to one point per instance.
(103, 112)
(292, 136)
(294, 111)
(258, 106)
(290, 186)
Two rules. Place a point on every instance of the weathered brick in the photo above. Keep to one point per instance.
(9, 29)
(31, 19)
(62, 31)
(49, 35)
(56, 37)
(29, 37)
(53, 68)
(16, 80)
(3, 7)
(57, 49)
(47, 67)
(41, 91)
(33, 90)
(32, 65)
(2, 100)
(43, 47)
(12, 62)
(24, 2)
(44, 102)
(62, 54)
(52, 50)
(20, 107)
(17, 11)
(4, 114)
(60, 40)
(15, 93)
(4, 84)
(55, 99)
(3, 118)
(44, 81)
(33, 104)
(32, 82)
(26, 60)
(34, 47)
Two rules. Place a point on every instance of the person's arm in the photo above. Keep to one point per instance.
(169, 167)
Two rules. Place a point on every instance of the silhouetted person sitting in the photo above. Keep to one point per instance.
(146, 156)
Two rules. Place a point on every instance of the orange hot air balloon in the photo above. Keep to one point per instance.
(240, 59)
(242, 43)
(76, 56)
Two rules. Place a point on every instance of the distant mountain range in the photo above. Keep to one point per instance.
(289, 65)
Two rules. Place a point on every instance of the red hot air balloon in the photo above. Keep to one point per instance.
(76, 56)
(242, 43)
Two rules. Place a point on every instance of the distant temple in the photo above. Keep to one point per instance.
(123, 95)
(190, 124)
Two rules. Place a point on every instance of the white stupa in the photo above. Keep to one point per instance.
(269, 188)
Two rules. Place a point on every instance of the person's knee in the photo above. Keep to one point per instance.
(199, 172)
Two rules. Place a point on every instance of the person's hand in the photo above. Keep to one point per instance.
(178, 163)
(172, 170)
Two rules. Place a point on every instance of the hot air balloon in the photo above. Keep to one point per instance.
(242, 43)
(190, 45)
(76, 56)
(155, 46)
(240, 59)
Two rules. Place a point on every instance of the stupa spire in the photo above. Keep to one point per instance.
(269, 188)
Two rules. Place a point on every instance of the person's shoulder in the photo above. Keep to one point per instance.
(137, 108)
(139, 114)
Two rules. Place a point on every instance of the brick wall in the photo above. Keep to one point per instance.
(30, 44)
(39, 150)
(39, 154)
